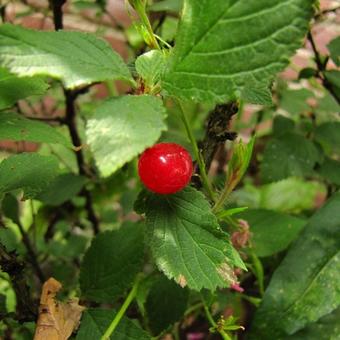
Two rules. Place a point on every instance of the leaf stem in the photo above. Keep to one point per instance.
(212, 322)
(122, 311)
(224, 195)
(140, 9)
(205, 180)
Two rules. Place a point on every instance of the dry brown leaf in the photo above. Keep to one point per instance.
(57, 320)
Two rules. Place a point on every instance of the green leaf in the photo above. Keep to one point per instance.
(327, 328)
(13, 88)
(112, 262)
(281, 196)
(150, 66)
(165, 304)
(10, 208)
(327, 134)
(271, 231)
(121, 124)
(295, 101)
(95, 322)
(305, 287)
(288, 155)
(187, 243)
(334, 48)
(215, 38)
(61, 189)
(282, 125)
(73, 57)
(330, 171)
(30, 172)
(19, 128)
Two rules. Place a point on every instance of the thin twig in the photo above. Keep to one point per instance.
(321, 68)
(33, 258)
(70, 121)
(326, 11)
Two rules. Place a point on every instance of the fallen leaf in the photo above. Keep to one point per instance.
(57, 320)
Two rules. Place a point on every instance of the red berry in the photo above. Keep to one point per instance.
(165, 168)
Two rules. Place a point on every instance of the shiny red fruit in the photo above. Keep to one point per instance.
(165, 168)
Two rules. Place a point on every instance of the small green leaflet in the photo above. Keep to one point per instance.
(121, 124)
(112, 262)
(305, 287)
(150, 67)
(29, 172)
(16, 127)
(75, 58)
(95, 322)
(334, 48)
(13, 88)
(187, 243)
(234, 48)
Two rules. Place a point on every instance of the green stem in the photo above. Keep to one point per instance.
(224, 195)
(140, 8)
(205, 180)
(212, 322)
(122, 311)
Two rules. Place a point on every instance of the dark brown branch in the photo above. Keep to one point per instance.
(321, 68)
(56, 7)
(26, 307)
(217, 130)
(33, 258)
(70, 121)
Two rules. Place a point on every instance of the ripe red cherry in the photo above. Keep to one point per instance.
(165, 168)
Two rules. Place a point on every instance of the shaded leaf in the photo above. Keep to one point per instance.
(334, 48)
(330, 171)
(18, 128)
(326, 328)
(295, 101)
(121, 124)
(215, 37)
(62, 189)
(111, 263)
(95, 322)
(327, 134)
(165, 304)
(73, 57)
(30, 172)
(305, 286)
(288, 155)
